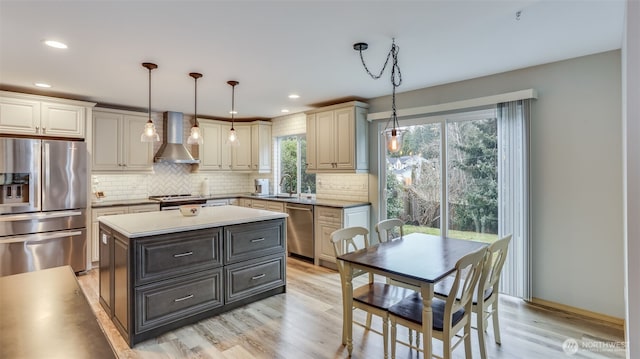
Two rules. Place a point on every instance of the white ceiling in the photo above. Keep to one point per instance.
(277, 48)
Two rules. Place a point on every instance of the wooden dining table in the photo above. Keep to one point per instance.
(418, 259)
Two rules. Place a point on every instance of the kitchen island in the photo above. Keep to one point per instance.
(161, 270)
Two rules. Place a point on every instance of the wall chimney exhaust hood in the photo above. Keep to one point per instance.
(172, 149)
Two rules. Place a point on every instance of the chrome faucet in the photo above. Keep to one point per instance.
(288, 183)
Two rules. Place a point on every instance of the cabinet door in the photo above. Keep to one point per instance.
(225, 147)
(107, 132)
(261, 147)
(19, 116)
(105, 282)
(95, 238)
(323, 236)
(344, 136)
(121, 301)
(241, 154)
(325, 135)
(137, 155)
(210, 152)
(311, 143)
(62, 120)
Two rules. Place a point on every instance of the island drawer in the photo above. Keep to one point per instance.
(167, 301)
(245, 279)
(172, 255)
(248, 241)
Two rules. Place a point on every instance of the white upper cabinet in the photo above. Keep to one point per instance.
(210, 152)
(116, 142)
(216, 154)
(31, 115)
(261, 146)
(241, 154)
(337, 138)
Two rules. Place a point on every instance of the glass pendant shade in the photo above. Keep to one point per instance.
(394, 139)
(233, 135)
(195, 137)
(149, 134)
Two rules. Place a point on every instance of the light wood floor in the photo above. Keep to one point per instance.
(306, 322)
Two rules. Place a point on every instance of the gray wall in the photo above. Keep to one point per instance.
(576, 173)
(631, 106)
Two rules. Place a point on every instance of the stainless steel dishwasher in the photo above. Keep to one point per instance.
(300, 229)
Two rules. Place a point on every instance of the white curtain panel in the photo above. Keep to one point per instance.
(514, 196)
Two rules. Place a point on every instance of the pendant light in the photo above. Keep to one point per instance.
(392, 135)
(233, 136)
(149, 134)
(195, 137)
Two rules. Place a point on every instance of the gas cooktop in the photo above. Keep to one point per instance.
(177, 198)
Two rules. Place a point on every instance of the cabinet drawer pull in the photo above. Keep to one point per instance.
(258, 276)
(183, 298)
(182, 254)
(257, 240)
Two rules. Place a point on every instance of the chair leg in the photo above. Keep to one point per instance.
(368, 322)
(385, 336)
(481, 328)
(410, 336)
(496, 324)
(467, 340)
(393, 339)
(446, 345)
(418, 335)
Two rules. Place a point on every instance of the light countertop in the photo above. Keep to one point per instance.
(300, 200)
(136, 225)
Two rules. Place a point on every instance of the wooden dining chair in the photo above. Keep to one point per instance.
(450, 315)
(374, 297)
(389, 229)
(487, 290)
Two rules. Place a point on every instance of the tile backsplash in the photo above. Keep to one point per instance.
(168, 178)
(342, 186)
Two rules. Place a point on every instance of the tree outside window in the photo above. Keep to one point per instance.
(293, 167)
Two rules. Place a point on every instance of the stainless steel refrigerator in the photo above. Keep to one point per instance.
(43, 200)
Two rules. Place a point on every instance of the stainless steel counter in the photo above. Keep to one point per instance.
(44, 314)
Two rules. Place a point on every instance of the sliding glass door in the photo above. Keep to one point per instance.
(444, 179)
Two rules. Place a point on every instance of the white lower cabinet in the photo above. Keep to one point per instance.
(110, 211)
(329, 219)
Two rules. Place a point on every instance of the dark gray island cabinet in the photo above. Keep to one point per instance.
(160, 271)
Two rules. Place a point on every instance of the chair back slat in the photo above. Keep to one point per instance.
(343, 241)
(389, 229)
(497, 254)
(468, 271)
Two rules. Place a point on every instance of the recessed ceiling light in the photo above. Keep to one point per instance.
(233, 112)
(42, 84)
(55, 44)
(294, 96)
(284, 110)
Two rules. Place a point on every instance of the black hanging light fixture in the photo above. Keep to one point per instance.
(233, 136)
(195, 137)
(393, 135)
(149, 134)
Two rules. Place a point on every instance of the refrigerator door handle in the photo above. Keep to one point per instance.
(43, 215)
(46, 172)
(40, 237)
